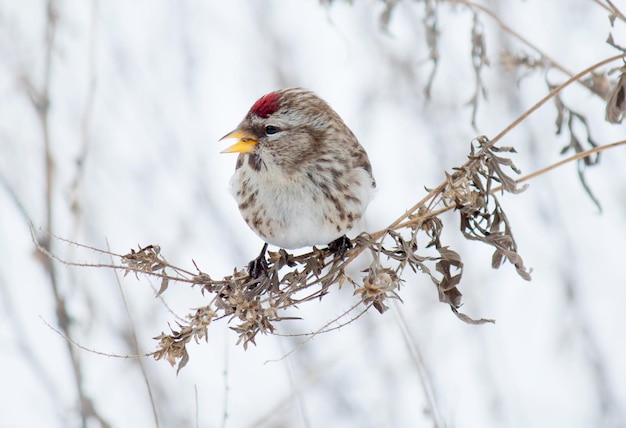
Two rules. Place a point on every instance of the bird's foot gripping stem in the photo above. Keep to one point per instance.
(258, 266)
(340, 246)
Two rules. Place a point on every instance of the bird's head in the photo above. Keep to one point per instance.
(285, 127)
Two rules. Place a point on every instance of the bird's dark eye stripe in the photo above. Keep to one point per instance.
(271, 129)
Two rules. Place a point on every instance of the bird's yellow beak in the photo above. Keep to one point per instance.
(245, 144)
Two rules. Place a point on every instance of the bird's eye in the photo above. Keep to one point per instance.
(271, 129)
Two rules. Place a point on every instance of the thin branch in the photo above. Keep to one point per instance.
(135, 344)
(501, 134)
(552, 93)
(72, 342)
(40, 99)
(547, 58)
(562, 162)
(420, 366)
(85, 120)
(611, 8)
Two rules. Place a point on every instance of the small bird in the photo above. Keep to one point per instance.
(301, 178)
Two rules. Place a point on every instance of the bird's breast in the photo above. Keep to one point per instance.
(301, 208)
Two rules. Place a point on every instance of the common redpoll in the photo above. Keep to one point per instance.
(301, 177)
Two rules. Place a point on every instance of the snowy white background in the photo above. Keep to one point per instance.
(139, 94)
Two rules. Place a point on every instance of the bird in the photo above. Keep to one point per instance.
(301, 178)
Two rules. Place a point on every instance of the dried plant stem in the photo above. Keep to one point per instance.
(568, 159)
(611, 8)
(398, 222)
(511, 31)
(417, 220)
(522, 179)
(134, 343)
(40, 99)
(41, 102)
(544, 56)
(552, 93)
(93, 351)
(86, 116)
(420, 366)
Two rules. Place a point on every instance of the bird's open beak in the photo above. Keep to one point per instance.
(245, 144)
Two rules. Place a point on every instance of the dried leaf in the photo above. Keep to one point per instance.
(164, 283)
(184, 359)
(616, 105)
(470, 320)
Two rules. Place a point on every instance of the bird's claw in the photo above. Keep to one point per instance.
(340, 246)
(258, 266)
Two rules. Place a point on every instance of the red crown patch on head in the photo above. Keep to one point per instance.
(266, 105)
